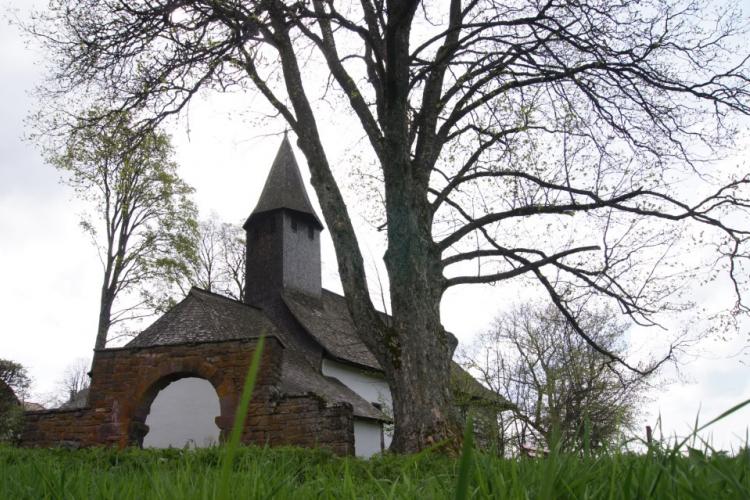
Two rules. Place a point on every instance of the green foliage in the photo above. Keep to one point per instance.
(11, 421)
(555, 384)
(14, 384)
(142, 218)
(465, 462)
(15, 376)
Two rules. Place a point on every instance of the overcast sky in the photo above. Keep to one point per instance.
(51, 276)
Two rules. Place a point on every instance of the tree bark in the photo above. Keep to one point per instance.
(420, 353)
(419, 350)
(105, 313)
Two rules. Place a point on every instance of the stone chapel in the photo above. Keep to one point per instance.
(318, 384)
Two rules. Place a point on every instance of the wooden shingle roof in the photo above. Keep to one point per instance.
(327, 319)
(298, 377)
(206, 317)
(284, 188)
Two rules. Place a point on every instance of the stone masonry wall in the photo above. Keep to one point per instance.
(301, 421)
(125, 382)
(74, 428)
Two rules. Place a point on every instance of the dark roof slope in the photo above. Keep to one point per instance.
(206, 317)
(284, 188)
(298, 377)
(468, 391)
(328, 320)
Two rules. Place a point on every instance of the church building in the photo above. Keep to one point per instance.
(178, 382)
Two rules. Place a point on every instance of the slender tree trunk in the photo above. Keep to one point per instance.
(107, 297)
(105, 313)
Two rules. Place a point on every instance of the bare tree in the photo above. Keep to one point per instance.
(220, 266)
(563, 392)
(217, 265)
(492, 124)
(74, 384)
(233, 255)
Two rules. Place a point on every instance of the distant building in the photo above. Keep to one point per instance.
(31, 406)
(178, 382)
(76, 399)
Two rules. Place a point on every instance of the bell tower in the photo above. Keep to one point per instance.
(283, 235)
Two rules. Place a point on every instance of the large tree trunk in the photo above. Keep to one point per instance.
(420, 351)
(414, 350)
(420, 375)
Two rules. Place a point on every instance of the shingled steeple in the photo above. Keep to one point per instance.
(284, 188)
(283, 235)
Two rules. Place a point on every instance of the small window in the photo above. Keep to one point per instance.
(310, 232)
(294, 225)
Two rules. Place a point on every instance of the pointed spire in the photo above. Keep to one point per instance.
(284, 188)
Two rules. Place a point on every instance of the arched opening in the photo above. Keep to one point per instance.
(183, 413)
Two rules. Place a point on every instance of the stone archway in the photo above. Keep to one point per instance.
(217, 392)
(183, 414)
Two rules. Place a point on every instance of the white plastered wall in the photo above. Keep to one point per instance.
(371, 387)
(183, 414)
(367, 437)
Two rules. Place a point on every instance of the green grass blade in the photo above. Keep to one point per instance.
(725, 414)
(465, 462)
(239, 419)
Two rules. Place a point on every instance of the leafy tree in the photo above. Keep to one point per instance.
(490, 124)
(143, 221)
(562, 391)
(14, 386)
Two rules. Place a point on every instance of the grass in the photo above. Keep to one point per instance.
(296, 473)
(232, 471)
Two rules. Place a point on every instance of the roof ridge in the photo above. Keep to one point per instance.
(163, 320)
(220, 296)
